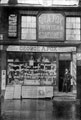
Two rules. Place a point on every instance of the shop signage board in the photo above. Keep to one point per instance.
(46, 2)
(44, 91)
(40, 49)
(49, 91)
(51, 26)
(29, 91)
(37, 91)
(41, 92)
(9, 92)
(17, 91)
(12, 25)
(65, 2)
(3, 80)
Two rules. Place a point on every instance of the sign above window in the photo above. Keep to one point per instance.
(12, 25)
(51, 26)
(40, 49)
(59, 2)
(45, 2)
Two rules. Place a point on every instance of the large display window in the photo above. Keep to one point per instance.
(31, 68)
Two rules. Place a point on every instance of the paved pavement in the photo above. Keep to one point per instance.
(35, 109)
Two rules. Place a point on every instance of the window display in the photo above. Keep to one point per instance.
(31, 68)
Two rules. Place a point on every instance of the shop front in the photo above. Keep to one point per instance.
(36, 71)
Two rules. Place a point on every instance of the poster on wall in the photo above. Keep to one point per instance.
(3, 79)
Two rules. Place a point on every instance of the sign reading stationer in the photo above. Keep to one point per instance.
(12, 25)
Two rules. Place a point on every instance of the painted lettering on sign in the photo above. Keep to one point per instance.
(40, 49)
(51, 26)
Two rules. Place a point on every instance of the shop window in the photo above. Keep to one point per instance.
(28, 27)
(73, 28)
(31, 68)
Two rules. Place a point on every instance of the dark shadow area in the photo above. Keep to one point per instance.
(35, 109)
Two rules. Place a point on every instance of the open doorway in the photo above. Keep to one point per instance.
(62, 65)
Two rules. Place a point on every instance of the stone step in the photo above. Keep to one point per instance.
(64, 99)
(61, 96)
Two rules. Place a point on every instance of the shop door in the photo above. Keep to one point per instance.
(63, 64)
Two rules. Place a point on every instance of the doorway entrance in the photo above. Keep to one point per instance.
(63, 64)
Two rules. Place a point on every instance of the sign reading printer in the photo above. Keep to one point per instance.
(51, 26)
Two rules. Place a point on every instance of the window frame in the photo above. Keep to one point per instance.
(28, 40)
(73, 28)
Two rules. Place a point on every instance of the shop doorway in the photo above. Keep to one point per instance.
(62, 65)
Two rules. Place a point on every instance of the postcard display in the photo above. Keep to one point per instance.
(35, 77)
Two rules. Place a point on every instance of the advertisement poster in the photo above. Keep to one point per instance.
(3, 79)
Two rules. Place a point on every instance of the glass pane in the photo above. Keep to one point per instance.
(78, 20)
(73, 28)
(72, 19)
(78, 25)
(24, 19)
(78, 37)
(24, 24)
(29, 19)
(77, 31)
(24, 36)
(24, 31)
(34, 19)
(68, 19)
(28, 27)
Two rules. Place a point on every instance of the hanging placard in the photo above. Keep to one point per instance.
(12, 25)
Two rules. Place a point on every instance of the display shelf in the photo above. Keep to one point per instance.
(45, 72)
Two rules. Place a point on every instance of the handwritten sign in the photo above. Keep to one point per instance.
(51, 26)
(12, 26)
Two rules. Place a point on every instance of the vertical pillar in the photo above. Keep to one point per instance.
(74, 68)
